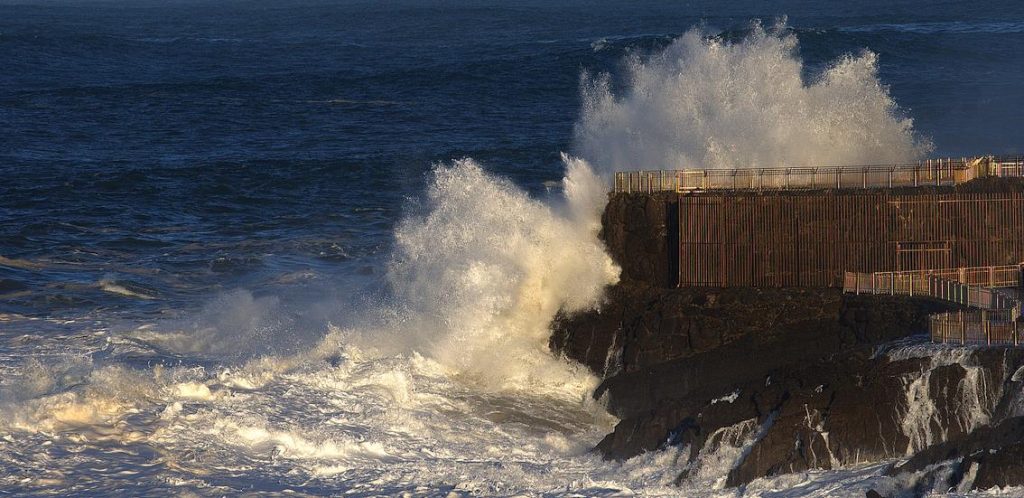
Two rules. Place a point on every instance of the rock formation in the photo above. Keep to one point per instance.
(773, 381)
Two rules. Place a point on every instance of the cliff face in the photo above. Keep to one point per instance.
(772, 381)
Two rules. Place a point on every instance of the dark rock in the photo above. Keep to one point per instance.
(996, 452)
(638, 225)
(794, 376)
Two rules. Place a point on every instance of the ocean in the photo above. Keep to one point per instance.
(313, 247)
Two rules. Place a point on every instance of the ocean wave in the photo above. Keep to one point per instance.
(714, 102)
(931, 28)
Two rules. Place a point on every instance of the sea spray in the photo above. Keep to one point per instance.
(971, 403)
(455, 387)
(481, 270)
(705, 102)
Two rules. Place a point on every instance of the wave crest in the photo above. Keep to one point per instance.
(705, 102)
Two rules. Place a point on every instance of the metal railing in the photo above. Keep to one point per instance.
(1006, 166)
(938, 172)
(979, 327)
(917, 281)
(995, 319)
(929, 286)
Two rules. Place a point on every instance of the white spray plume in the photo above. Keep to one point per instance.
(708, 103)
(482, 270)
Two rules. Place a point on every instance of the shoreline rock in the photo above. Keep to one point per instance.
(764, 382)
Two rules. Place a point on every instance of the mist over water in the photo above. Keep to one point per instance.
(709, 102)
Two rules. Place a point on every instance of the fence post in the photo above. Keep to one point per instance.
(963, 330)
(985, 326)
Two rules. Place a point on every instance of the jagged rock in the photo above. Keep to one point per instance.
(638, 225)
(792, 377)
(812, 381)
(995, 452)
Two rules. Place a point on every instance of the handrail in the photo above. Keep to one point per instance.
(1003, 276)
(995, 318)
(958, 285)
(984, 327)
(936, 172)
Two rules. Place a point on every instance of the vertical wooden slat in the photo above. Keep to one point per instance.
(811, 238)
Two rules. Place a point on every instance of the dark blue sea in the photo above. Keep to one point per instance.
(312, 248)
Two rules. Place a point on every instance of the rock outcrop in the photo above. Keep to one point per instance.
(773, 381)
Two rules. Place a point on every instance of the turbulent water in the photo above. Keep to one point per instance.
(315, 248)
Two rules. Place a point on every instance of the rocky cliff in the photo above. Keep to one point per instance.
(760, 382)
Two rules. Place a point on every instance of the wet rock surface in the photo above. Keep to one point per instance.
(793, 379)
(988, 457)
(775, 381)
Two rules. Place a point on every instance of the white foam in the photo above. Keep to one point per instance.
(194, 390)
(481, 269)
(114, 287)
(450, 386)
(704, 102)
(971, 400)
(728, 398)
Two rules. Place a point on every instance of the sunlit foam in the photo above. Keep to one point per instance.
(706, 102)
(480, 270)
(449, 384)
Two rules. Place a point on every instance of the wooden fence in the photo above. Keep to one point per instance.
(936, 172)
(810, 238)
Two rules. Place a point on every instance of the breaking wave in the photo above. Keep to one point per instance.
(448, 385)
(482, 270)
(706, 102)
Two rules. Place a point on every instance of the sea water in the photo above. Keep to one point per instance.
(315, 247)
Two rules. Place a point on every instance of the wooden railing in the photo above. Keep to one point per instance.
(938, 172)
(995, 319)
